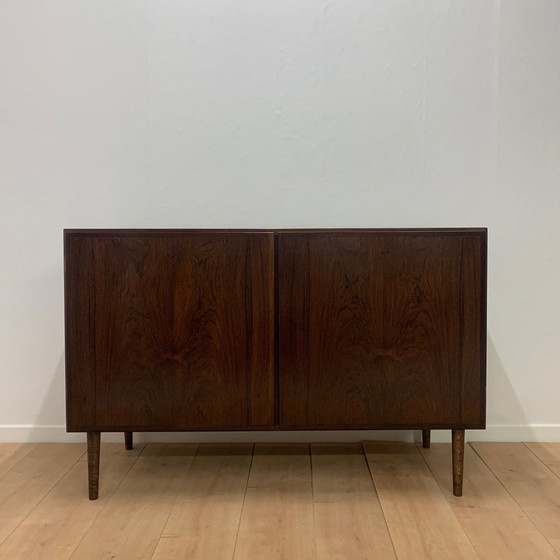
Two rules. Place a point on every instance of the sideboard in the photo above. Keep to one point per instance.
(184, 330)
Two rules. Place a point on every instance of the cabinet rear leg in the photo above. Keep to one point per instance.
(458, 452)
(93, 447)
(128, 441)
(426, 439)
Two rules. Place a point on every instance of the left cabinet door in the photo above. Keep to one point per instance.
(169, 330)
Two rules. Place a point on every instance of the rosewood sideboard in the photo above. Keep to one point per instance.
(184, 330)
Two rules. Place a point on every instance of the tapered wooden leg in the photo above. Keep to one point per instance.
(128, 441)
(93, 446)
(426, 439)
(458, 460)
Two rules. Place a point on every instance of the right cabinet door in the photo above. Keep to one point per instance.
(382, 329)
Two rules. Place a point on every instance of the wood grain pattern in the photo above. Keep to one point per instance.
(79, 330)
(420, 520)
(277, 517)
(49, 519)
(11, 453)
(349, 522)
(178, 331)
(284, 329)
(136, 514)
(205, 519)
(495, 524)
(380, 330)
(531, 483)
(93, 451)
(473, 331)
(458, 460)
(548, 453)
(55, 527)
(25, 484)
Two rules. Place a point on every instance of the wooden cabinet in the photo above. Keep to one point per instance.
(275, 330)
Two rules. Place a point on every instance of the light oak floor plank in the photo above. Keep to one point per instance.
(56, 526)
(31, 478)
(495, 524)
(510, 507)
(205, 519)
(420, 520)
(548, 453)
(531, 483)
(11, 453)
(349, 522)
(277, 516)
(136, 514)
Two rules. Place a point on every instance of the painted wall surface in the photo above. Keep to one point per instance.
(284, 113)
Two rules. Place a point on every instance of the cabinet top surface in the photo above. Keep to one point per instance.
(274, 231)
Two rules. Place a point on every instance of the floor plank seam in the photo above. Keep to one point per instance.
(107, 503)
(518, 473)
(495, 476)
(243, 502)
(43, 497)
(369, 468)
(164, 525)
(446, 498)
(547, 466)
(447, 502)
(513, 498)
(20, 459)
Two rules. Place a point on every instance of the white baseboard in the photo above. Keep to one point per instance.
(531, 432)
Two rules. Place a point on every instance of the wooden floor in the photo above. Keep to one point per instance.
(243, 502)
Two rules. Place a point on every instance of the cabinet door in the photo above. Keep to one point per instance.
(169, 330)
(381, 329)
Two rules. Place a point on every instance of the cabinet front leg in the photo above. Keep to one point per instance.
(426, 439)
(128, 441)
(458, 452)
(93, 448)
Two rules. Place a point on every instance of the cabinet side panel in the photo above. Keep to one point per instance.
(79, 304)
(473, 336)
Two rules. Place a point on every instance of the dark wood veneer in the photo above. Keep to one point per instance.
(399, 314)
(177, 331)
(275, 329)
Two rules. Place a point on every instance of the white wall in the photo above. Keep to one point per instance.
(284, 113)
